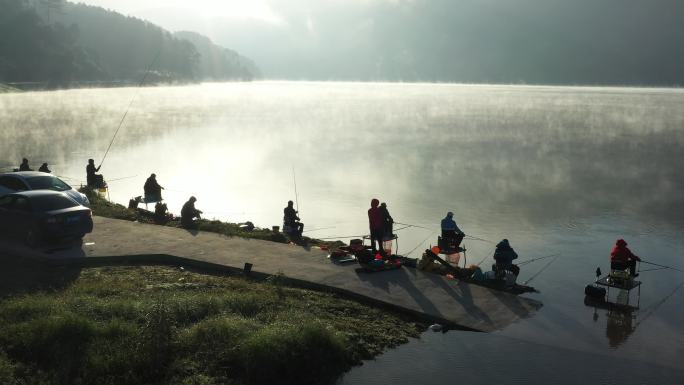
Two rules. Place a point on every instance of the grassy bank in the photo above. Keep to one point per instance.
(161, 325)
(104, 208)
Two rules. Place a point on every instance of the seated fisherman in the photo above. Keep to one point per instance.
(94, 180)
(504, 256)
(451, 232)
(622, 258)
(189, 213)
(44, 168)
(152, 189)
(291, 224)
(24, 166)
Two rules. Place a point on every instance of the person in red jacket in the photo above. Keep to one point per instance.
(377, 228)
(622, 258)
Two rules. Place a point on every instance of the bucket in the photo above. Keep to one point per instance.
(387, 246)
(453, 258)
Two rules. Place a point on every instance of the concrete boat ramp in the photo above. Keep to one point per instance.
(434, 297)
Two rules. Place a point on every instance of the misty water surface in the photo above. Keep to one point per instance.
(553, 169)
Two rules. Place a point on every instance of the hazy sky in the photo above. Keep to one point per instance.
(509, 41)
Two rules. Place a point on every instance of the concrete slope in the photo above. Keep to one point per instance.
(466, 305)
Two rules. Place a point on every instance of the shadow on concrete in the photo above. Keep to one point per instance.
(401, 278)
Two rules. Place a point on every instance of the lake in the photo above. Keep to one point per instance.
(553, 169)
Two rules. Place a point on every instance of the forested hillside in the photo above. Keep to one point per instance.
(56, 43)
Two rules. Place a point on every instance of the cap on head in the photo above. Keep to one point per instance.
(290, 203)
(621, 243)
(24, 160)
(91, 161)
(193, 199)
(450, 214)
(383, 204)
(153, 175)
(375, 202)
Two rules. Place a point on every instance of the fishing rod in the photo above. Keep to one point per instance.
(479, 239)
(410, 225)
(420, 244)
(294, 179)
(663, 266)
(401, 228)
(147, 72)
(655, 306)
(536, 259)
(318, 229)
(126, 177)
(540, 271)
(347, 237)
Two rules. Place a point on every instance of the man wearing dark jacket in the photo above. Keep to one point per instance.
(376, 225)
(504, 256)
(94, 180)
(189, 213)
(291, 224)
(387, 221)
(152, 189)
(24, 166)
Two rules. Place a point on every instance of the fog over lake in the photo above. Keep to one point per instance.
(553, 169)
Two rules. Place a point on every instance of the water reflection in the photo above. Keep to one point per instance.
(552, 169)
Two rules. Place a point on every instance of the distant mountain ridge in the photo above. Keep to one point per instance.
(57, 43)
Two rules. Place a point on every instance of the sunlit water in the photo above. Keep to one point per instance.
(554, 170)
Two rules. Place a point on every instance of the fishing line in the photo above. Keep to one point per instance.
(347, 237)
(540, 271)
(147, 72)
(663, 266)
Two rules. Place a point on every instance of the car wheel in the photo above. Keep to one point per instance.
(33, 237)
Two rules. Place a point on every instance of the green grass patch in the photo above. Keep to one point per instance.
(162, 325)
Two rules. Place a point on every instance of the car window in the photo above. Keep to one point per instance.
(12, 183)
(48, 182)
(6, 202)
(21, 204)
(52, 202)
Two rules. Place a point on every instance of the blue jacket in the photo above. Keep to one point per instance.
(448, 223)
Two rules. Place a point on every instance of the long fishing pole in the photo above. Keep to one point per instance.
(126, 177)
(478, 239)
(318, 229)
(663, 266)
(420, 244)
(536, 259)
(655, 307)
(410, 225)
(347, 237)
(147, 72)
(540, 271)
(294, 179)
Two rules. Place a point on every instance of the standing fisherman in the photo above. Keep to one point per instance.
(376, 227)
(387, 221)
(451, 232)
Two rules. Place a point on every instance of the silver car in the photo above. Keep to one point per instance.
(12, 182)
